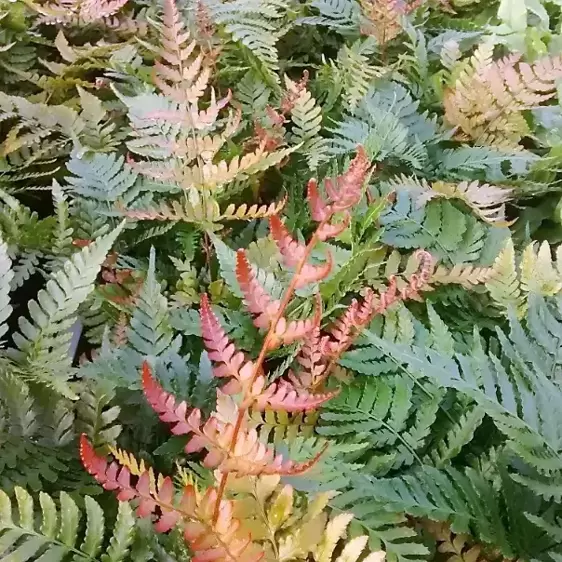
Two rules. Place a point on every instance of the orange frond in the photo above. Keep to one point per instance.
(291, 250)
(218, 541)
(319, 211)
(327, 231)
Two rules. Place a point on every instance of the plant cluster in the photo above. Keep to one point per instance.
(320, 240)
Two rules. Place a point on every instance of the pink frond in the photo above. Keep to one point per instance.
(164, 404)
(283, 396)
(220, 348)
(318, 208)
(347, 189)
(257, 300)
(327, 231)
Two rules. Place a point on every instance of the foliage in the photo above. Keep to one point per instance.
(320, 240)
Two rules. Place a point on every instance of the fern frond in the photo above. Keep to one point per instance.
(96, 415)
(54, 534)
(247, 456)
(384, 17)
(380, 414)
(487, 201)
(513, 278)
(340, 15)
(150, 333)
(468, 276)
(43, 342)
(487, 100)
(219, 539)
(256, 24)
(102, 179)
(177, 74)
(6, 278)
(512, 388)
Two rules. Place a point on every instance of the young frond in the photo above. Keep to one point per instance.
(487, 101)
(178, 74)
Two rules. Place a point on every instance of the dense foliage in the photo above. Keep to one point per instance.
(319, 239)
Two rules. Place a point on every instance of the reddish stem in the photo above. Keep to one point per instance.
(263, 352)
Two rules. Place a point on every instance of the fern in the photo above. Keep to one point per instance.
(6, 278)
(59, 532)
(42, 344)
(256, 25)
(488, 98)
(96, 416)
(340, 15)
(103, 180)
(439, 226)
(386, 122)
(512, 389)
(379, 414)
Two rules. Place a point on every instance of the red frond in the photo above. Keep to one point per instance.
(347, 189)
(318, 208)
(283, 396)
(327, 231)
(222, 350)
(292, 251)
(257, 300)
(164, 404)
(312, 358)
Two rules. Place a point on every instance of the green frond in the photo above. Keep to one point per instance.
(55, 532)
(439, 227)
(516, 387)
(387, 123)
(466, 499)
(340, 15)
(150, 333)
(62, 241)
(282, 427)
(24, 462)
(96, 415)
(102, 179)
(257, 25)
(383, 416)
(43, 340)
